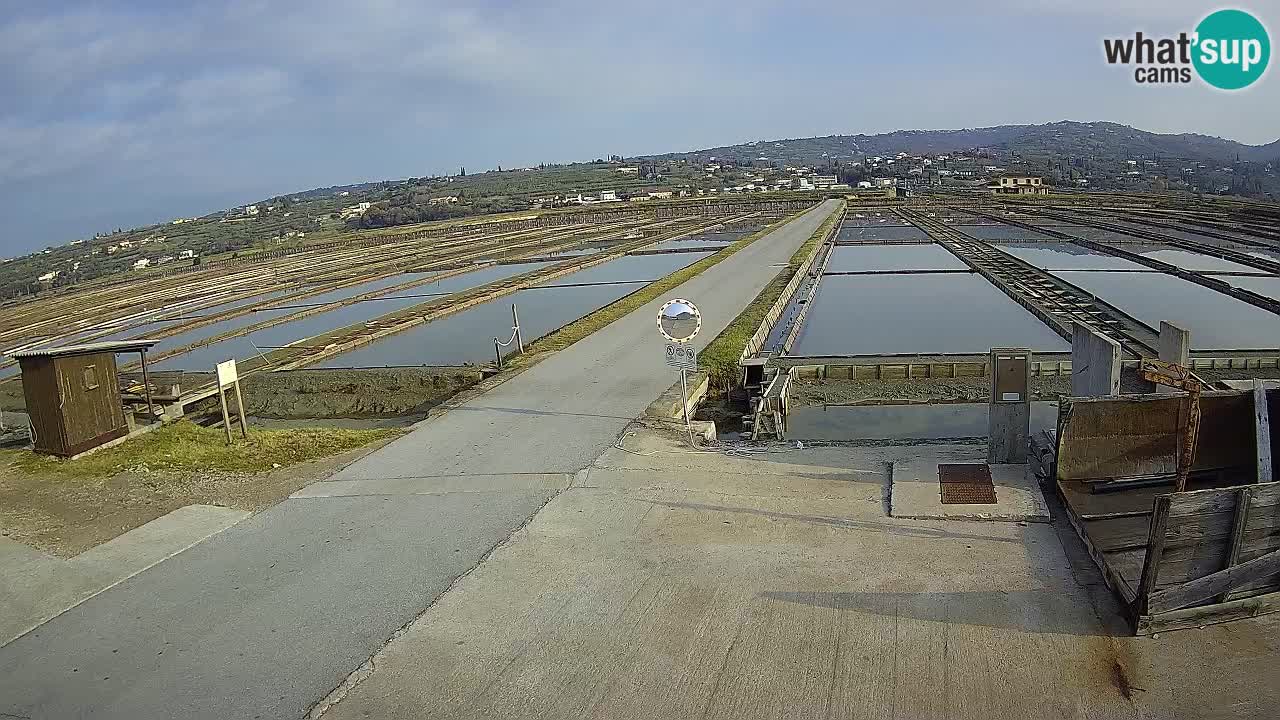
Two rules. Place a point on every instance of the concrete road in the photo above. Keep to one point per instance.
(265, 619)
(673, 584)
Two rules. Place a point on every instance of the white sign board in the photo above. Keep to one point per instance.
(227, 373)
(681, 357)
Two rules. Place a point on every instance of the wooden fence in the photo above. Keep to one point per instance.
(1175, 559)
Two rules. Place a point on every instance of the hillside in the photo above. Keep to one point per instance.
(1097, 140)
(1097, 156)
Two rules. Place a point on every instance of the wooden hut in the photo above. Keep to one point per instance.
(73, 395)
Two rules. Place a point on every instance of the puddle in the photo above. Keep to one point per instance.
(881, 231)
(1067, 256)
(1266, 286)
(1003, 232)
(206, 357)
(891, 314)
(1216, 321)
(923, 256)
(903, 422)
(467, 337)
(1188, 260)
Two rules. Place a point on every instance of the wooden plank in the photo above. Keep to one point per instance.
(1196, 560)
(1126, 533)
(1117, 582)
(1127, 566)
(1195, 502)
(1138, 435)
(1176, 598)
(1155, 550)
(1208, 614)
(1237, 532)
(1116, 515)
(1262, 431)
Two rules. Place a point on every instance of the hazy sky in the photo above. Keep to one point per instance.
(124, 113)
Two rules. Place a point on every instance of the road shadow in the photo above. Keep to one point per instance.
(903, 530)
(542, 413)
(1032, 611)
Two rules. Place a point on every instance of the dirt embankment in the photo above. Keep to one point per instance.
(966, 389)
(380, 393)
(303, 394)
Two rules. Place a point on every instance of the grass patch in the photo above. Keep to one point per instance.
(581, 328)
(720, 358)
(185, 446)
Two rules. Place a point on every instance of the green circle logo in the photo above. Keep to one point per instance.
(1231, 49)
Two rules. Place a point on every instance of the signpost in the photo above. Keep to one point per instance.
(680, 321)
(228, 377)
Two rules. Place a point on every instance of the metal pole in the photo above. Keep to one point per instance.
(497, 350)
(146, 385)
(515, 322)
(684, 395)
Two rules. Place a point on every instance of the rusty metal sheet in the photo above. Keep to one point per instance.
(973, 473)
(955, 493)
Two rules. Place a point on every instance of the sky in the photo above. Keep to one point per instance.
(119, 114)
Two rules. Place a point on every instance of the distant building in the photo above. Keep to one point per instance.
(48, 277)
(141, 263)
(628, 170)
(355, 210)
(825, 180)
(1018, 185)
(608, 196)
(660, 195)
(443, 200)
(186, 254)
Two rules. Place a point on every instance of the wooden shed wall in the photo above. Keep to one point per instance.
(40, 388)
(70, 414)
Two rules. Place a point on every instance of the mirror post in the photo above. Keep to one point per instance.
(684, 395)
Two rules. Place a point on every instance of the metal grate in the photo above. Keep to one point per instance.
(955, 493)
(970, 473)
(966, 484)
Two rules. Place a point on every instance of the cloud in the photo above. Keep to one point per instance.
(146, 99)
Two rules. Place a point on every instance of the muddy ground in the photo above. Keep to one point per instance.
(380, 393)
(966, 389)
(308, 394)
(66, 516)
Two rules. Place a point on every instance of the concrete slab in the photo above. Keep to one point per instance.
(436, 485)
(678, 584)
(915, 494)
(269, 617)
(380, 559)
(40, 587)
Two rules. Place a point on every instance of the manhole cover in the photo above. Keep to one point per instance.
(955, 493)
(972, 473)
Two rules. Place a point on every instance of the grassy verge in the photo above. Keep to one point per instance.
(720, 358)
(186, 446)
(575, 331)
